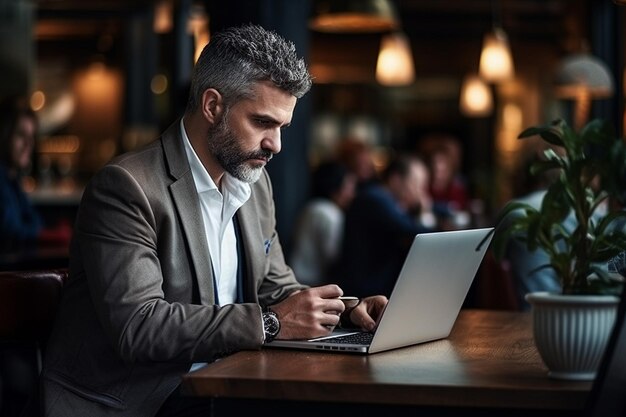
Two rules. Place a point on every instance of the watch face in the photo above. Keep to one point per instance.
(271, 324)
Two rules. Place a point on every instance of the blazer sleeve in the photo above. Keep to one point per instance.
(117, 233)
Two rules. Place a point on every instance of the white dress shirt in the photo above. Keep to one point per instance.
(218, 209)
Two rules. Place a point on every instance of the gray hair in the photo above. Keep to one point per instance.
(237, 58)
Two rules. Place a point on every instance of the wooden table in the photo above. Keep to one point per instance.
(488, 363)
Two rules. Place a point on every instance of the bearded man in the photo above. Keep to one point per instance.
(175, 260)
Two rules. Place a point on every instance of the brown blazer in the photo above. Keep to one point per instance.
(139, 307)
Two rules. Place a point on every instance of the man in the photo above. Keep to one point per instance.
(380, 226)
(175, 260)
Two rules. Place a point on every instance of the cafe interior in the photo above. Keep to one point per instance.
(107, 76)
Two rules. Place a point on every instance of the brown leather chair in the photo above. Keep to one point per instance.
(28, 304)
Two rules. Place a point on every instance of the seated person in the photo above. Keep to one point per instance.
(527, 267)
(19, 221)
(175, 258)
(380, 227)
(319, 232)
(358, 157)
(20, 224)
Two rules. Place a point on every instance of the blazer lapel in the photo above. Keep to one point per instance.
(185, 198)
(253, 246)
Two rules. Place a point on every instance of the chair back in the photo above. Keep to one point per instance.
(608, 393)
(28, 303)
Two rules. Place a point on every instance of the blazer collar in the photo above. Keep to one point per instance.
(185, 199)
(174, 150)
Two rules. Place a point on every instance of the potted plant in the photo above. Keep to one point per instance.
(591, 166)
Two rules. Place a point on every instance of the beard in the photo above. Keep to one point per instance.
(224, 145)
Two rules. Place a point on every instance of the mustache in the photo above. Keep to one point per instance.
(261, 154)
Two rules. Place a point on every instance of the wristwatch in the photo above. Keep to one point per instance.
(271, 325)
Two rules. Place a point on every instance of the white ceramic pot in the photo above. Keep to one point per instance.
(571, 331)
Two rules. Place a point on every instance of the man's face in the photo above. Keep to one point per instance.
(249, 133)
(413, 188)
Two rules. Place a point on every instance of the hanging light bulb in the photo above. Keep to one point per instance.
(496, 61)
(476, 99)
(395, 61)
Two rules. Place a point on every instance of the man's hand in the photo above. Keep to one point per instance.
(310, 313)
(368, 312)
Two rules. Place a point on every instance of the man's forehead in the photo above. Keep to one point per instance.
(271, 101)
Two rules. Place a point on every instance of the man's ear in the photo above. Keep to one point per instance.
(212, 105)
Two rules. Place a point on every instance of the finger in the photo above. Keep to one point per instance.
(328, 291)
(333, 306)
(330, 320)
(368, 324)
(361, 318)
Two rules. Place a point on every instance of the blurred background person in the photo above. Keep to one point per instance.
(358, 157)
(380, 227)
(20, 223)
(524, 265)
(319, 232)
(448, 187)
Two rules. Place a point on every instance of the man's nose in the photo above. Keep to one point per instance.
(272, 141)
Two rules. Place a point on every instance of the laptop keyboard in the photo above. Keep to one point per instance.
(354, 338)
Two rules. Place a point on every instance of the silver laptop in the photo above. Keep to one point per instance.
(426, 299)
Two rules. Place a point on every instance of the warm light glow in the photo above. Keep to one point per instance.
(201, 39)
(198, 26)
(37, 100)
(59, 144)
(158, 85)
(163, 17)
(510, 127)
(57, 112)
(352, 23)
(512, 117)
(476, 97)
(355, 16)
(395, 61)
(96, 70)
(97, 112)
(496, 62)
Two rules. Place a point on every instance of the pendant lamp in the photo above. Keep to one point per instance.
(496, 61)
(583, 77)
(395, 61)
(354, 16)
(476, 98)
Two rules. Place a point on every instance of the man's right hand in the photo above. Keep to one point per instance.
(310, 313)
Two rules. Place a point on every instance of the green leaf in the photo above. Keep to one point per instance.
(551, 133)
(588, 155)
